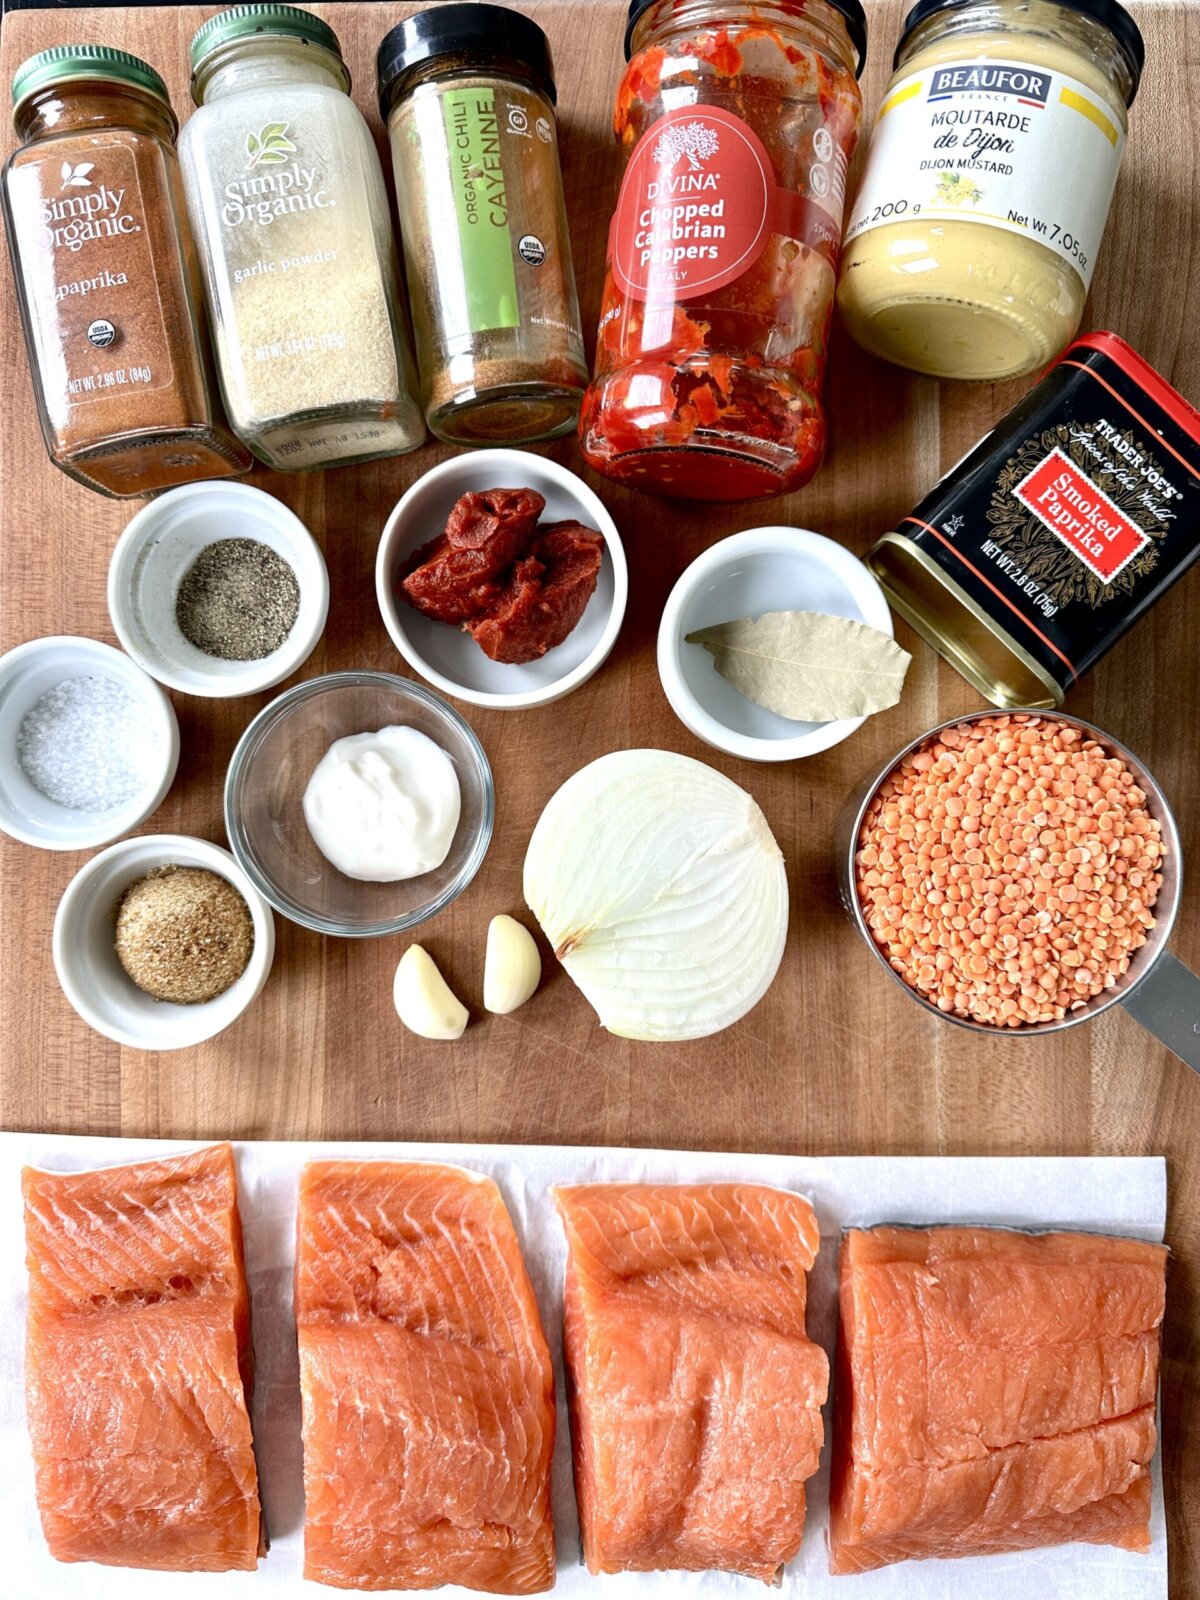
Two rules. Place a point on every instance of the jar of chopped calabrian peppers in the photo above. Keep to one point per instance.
(107, 277)
(738, 122)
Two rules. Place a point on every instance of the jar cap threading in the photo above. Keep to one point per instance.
(1109, 14)
(268, 21)
(851, 10)
(482, 34)
(81, 62)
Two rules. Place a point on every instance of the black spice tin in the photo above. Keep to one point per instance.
(1058, 531)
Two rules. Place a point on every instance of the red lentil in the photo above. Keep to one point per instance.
(1007, 869)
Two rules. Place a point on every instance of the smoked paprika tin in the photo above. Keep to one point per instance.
(1061, 528)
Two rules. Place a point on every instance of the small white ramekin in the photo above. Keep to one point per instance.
(763, 569)
(27, 673)
(85, 955)
(156, 550)
(450, 659)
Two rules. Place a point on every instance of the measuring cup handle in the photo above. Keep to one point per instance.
(1167, 1003)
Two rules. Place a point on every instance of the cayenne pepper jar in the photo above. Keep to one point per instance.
(467, 92)
(738, 121)
(107, 278)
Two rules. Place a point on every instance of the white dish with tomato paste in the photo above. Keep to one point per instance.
(446, 656)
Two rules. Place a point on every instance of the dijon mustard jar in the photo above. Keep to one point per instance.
(287, 199)
(972, 241)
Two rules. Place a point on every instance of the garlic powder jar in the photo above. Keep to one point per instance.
(287, 199)
(971, 244)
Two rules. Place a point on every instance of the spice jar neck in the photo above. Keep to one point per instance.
(61, 108)
(444, 70)
(806, 24)
(1099, 56)
(255, 63)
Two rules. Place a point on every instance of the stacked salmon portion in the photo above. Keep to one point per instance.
(995, 1392)
(138, 1365)
(696, 1392)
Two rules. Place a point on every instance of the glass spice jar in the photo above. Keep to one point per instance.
(737, 121)
(107, 278)
(467, 91)
(287, 198)
(972, 240)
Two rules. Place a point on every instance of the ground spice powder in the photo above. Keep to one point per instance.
(238, 600)
(109, 284)
(183, 934)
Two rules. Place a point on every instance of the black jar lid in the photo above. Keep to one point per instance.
(1109, 14)
(851, 10)
(481, 33)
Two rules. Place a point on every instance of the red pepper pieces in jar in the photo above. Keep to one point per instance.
(738, 122)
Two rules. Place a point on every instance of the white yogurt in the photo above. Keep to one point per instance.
(383, 806)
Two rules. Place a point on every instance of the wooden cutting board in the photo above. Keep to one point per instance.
(835, 1059)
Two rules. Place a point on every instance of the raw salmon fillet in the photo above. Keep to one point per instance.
(138, 1365)
(426, 1382)
(695, 1392)
(995, 1391)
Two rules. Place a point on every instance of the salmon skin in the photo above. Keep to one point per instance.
(426, 1383)
(138, 1365)
(995, 1392)
(696, 1393)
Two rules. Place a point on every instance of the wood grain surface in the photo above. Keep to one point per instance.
(835, 1059)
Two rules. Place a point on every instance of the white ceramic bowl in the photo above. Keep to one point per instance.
(85, 955)
(449, 658)
(159, 546)
(26, 674)
(764, 569)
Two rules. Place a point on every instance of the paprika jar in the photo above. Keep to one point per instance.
(107, 279)
(287, 197)
(737, 123)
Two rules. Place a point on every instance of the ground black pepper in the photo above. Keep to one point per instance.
(183, 934)
(238, 600)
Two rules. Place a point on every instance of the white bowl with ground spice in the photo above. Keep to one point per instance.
(218, 589)
(449, 656)
(89, 744)
(162, 942)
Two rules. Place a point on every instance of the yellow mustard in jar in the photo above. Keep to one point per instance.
(971, 244)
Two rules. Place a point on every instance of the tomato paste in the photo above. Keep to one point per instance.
(738, 123)
(519, 588)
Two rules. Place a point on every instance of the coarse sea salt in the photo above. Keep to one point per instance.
(86, 744)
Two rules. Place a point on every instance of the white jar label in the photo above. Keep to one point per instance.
(996, 142)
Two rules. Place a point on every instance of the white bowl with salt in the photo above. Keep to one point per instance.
(160, 548)
(89, 743)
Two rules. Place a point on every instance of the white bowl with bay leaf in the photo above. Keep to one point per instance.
(218, 589)
(777, 643)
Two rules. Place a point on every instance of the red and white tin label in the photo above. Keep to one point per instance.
(694, 211)
(1075, 509)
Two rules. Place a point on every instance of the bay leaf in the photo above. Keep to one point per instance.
(807, 666)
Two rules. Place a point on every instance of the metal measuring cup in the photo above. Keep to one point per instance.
(1157, 989)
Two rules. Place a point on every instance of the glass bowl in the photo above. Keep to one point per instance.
(269, 773)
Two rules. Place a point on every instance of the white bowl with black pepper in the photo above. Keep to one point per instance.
(195, 946)
(218, 589)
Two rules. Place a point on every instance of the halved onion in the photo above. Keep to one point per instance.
(661, 888)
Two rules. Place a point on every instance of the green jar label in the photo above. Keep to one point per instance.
(473, 138)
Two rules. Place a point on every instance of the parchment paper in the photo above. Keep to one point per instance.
(1105, 1195)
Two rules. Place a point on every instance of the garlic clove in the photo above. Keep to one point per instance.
(512, 966)
(424, 1001)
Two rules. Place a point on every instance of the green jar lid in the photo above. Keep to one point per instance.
(67, 63)
(269, 21)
